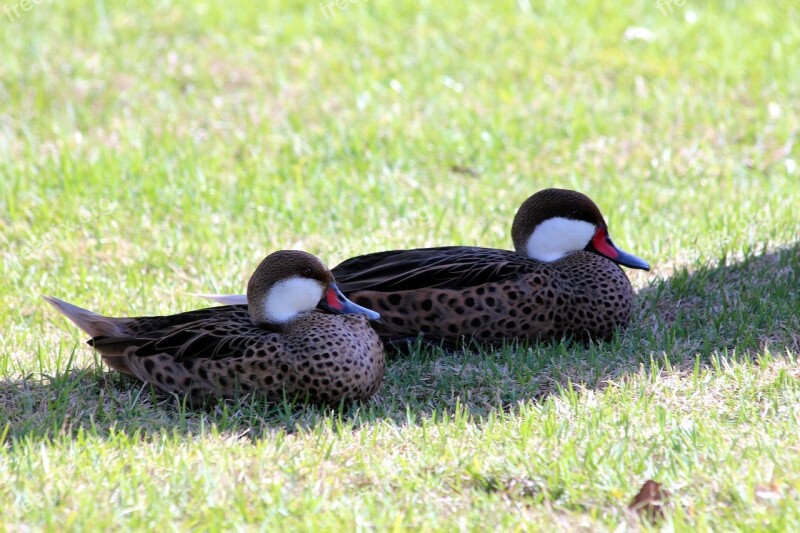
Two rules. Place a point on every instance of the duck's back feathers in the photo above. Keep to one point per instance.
(97, 325)
(146, 324)
(450, 267)
(196, 334)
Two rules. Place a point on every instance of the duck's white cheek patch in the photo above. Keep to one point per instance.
(291, 297)
(556, 237)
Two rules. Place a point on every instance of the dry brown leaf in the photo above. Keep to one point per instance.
(650, 501)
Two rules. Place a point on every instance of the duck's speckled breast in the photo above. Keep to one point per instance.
(600, 296)
(339, 354)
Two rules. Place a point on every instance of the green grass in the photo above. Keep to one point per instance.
(150, 150)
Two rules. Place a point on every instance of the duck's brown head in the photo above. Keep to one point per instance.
(556, 222)
(290, 283)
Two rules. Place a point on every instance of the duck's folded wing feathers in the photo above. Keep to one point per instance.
(143, 325)
(452, 267)
(199, 339)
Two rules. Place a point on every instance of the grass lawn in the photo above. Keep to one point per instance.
(149, 150)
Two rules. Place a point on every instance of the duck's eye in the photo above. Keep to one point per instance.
(306, 272)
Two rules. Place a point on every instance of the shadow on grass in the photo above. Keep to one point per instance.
(99, 402)
(735, 309)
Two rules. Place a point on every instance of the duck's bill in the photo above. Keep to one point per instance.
(336, 302)
(630, 260)
(601, 243)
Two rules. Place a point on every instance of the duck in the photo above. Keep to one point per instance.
(562, 280)
(298, 337)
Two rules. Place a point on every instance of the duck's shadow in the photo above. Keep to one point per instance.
(734, 309)
(106, 402)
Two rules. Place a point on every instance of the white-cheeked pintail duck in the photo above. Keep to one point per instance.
(562, 280)
(299, 337)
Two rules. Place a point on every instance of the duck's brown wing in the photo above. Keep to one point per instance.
(451, 267)
(203, 359)
(145, 324)
(209, 337)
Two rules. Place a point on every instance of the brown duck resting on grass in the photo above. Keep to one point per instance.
(562, 280)
(298, 337)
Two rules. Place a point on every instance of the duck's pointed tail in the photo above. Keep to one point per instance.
(93, 324)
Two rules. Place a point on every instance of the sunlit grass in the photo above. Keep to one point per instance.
(148, 151)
